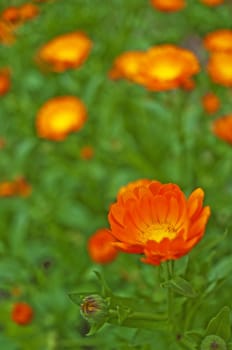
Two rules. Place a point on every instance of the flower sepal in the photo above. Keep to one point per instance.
(180, 286)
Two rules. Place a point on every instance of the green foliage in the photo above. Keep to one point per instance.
(135, 134)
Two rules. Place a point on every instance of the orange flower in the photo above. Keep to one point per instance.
(6, 33)
(60, 116)
(87, 152)
(220, 67)
(211, 103)
(4, 81)
(17, 187)
(65, 51)
(162, 67)
(168, 5)
(219, 40)
(100, 247)
(168, 67)
(127, 66)
(222, 127)
(18, 14)
(22, 313)
(157, 220)
(212, 2)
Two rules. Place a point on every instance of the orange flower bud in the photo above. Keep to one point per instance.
(211, 103)
(4, 81)
(87, 152)
(222, 128)
(22, 313)
(100, 247)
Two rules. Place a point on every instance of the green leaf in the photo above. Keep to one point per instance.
(106, 291)
(220, 324)
(180, 286)
(95, 327)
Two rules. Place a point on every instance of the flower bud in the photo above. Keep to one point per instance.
(94, 308)
(213, 342)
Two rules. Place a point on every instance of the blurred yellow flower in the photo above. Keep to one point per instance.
(219, 67)
(219, 40)
(65, 51)
(168, 5)
(60, 116)
(162, 67)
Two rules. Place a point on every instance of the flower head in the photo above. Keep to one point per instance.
(6, 33)
(212, 2)
(219, 40)
(19, 14)
(4, 81)
(100, 247)
(60, 116)
(168, 67)
(211, 103)
(94, 308)
(168, 5)
(157, 220)
(162, 67)
(222, 128)
(22, 313)
(65, 51)
(17, 187)
(220, 67)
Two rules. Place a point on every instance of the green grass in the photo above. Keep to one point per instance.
(135, 134)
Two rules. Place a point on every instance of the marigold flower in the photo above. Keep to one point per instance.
(65, 51)
(6, 33)
(212, 2)
(211, 103)
(4, 81)
(127, 66)
(168, 5)
(18, 14)
(87, 152)
(60, 116)
(22, 313)
(100, 247)
(17, 187)
(222, 127)
(219, 67)
(219, 40)
(157, 220)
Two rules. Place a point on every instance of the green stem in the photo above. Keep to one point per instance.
(170, 296)
(144, 316)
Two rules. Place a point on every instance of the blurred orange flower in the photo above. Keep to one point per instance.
(222, 127)
(65, 51)
(158, 221)
(168, 5)
(127, 65)
(87, 152)
(60, 116)
(4, 81)
(17, 187)
(18, 14)
(22, 313)
(100, 247)
(219, 67)
(162, 67)
(6, 33)
(211, 103)
(219, 40)
(212, 2)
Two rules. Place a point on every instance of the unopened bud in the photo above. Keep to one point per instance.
(94, 308)
(213, 342)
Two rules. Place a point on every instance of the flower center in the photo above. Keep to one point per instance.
(158, 232)
(166, 70)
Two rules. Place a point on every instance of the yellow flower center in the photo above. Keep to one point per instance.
(61, 121)
(165, 70)
(158, 232)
